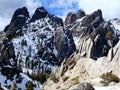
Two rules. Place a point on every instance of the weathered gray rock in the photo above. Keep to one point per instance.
(82, 86)
(71, 17)
(92, 33)
(7, 53)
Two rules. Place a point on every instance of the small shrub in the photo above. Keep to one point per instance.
(93, 34)
(58, 87)
(39, 77)
(29, 86)
(105, 83)
(54, 78)
(1, 88)
(65, 79)
(110, 77)
(75, 80)
(109, 35)
(70, 61)
(14, 87)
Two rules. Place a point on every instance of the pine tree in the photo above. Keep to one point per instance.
(14, 87)
(29, 86)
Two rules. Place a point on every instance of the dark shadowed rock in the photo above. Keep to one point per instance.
(18, 20)
(21, 12)
(55, 21)
(83, 86)
(7, 53)
(72, 17)
(64, 45)
(95, 19)
(8, 59)
(39, 13)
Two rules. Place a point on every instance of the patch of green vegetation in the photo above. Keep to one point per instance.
(54, 78)
(29, 86)
(110, 77)
(65, 79)
(58, 87)
(75, 80)
(41, 77)
(105, 83)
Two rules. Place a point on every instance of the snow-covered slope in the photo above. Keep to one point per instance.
(116, 24)
(34, 42)
(41, 41)
(33, 45)
(19, 83)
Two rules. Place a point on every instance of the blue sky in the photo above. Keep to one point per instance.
(61, 8)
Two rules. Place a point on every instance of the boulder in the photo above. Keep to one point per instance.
(82, 86)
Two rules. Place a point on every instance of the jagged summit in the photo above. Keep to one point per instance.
(72, 17)
(18, 20)
(94, 19)
(40, 12)
(39, 44)
(94, 29)
(80, 13)
(97, 53)
(20, 12)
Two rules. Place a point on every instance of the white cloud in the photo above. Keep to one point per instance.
(62, 4)
(110, 8)
(66, 6)
(31, 5)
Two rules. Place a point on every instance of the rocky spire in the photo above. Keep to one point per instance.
(71, 17)
(20, 12)
(18, 20)
(40, 12)
(95, 19)
(80, 13)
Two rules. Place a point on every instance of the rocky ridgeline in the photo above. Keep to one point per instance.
(96, 36)
(97, 53)
(40, 43)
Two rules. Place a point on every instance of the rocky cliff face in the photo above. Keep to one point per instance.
(71, 17)
(18, 20)
(41, 42)
(95, 35)
(84, 47)
(97, 43)
(42, 39)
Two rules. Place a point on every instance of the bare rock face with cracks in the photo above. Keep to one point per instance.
(96, 59)
(82, 49)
